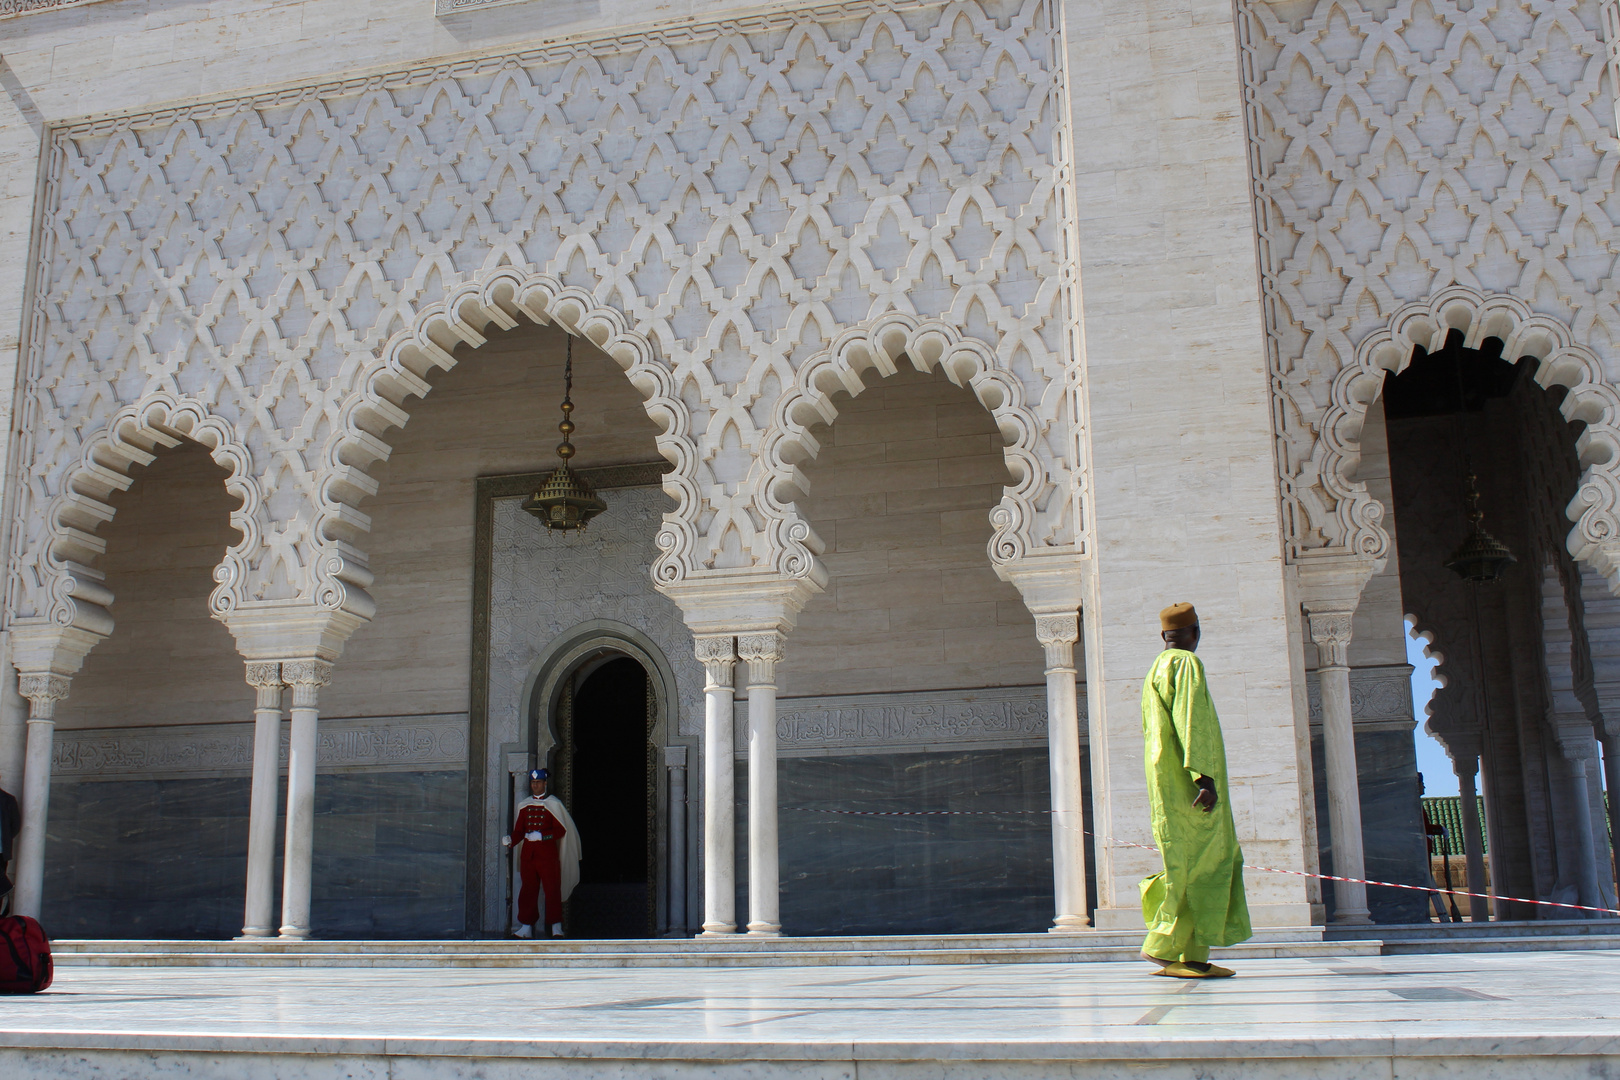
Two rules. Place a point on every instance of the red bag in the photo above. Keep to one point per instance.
(25, 956)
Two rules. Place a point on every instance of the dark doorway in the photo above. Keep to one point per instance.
(610, 780)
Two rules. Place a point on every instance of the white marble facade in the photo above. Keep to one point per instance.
(1170, 247)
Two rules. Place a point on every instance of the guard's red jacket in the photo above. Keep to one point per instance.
(537, 819)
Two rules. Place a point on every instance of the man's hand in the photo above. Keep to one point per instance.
(506, 841)
(1207, 800)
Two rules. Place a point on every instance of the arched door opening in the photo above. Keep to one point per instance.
(1521, 705)
(606, 763)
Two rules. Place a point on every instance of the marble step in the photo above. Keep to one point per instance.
(1394, 932)
(739, 943)
(767, 952)
(1527, 943)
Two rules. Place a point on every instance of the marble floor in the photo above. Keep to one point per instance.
(1480, 1015)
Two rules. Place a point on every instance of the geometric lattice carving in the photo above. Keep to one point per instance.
(1399, 148)
(713, 209)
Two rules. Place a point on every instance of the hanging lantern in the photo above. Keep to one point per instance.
(1481, 557)
(565, 503)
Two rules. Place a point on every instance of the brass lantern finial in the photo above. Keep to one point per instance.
(1481, 557)
(565, 503)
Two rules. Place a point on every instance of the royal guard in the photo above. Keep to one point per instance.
(547, 853)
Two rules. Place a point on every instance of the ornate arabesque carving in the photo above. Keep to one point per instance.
(43, 691)
(1401, 148)
(762, 652)
(712, 212)
(1057, 635)
(1331, 631)
(718, 655)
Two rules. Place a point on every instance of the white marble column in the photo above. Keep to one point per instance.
(675, 764)
(13, 726)
(1331, 632)
(1479, 908)
(718, 655)
(1057, 635)
(762, 651)
(42, 692)
(1576, 753)
(306, 677)
(258, 920)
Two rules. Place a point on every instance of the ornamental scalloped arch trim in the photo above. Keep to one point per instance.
(879, 345)
(501, 297)
(1356, 521)
(132, 436)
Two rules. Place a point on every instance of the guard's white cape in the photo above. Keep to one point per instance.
(568, 850)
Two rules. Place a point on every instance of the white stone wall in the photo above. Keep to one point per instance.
(1183, 493)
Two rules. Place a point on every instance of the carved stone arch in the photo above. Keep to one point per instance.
(879, 345)
(161, 419)
(502, 298)
(1354, 522)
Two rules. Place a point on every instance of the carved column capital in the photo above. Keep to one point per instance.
(306, 677)
(265, 678)
(762, 651)
(43, 691)
(1331, 631)
(262, 674)
(718, 655)
(1057, 635)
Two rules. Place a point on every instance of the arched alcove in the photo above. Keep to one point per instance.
(914, 681)
(144, 834)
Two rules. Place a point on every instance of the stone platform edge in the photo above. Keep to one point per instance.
(1162, 1047)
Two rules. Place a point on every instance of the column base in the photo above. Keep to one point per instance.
(719, 930)
(1070, 924)
(295, 933)
(255, 933)
(756, 929)
(1352, 918)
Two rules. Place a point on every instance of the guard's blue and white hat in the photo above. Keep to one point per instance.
(539, 774)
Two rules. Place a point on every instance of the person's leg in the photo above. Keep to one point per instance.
(529, 894)
(551, 880)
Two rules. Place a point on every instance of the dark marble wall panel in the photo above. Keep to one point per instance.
(962, 873)
(1391, 824)
(168, 858)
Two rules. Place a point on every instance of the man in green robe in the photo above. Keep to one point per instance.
(1198, 900)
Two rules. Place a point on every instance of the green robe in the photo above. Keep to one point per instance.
(1198, 900)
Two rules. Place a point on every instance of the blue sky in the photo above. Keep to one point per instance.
(1432, 762)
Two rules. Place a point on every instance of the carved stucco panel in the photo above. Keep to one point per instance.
(713, 209)
(1402, 147)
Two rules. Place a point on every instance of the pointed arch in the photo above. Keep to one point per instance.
(501, 298)
(62, 563)
(1354, 521)
(880, 345)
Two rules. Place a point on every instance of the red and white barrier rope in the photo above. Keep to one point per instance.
(1247, 866)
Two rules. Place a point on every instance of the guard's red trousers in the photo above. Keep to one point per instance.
(540, 868)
